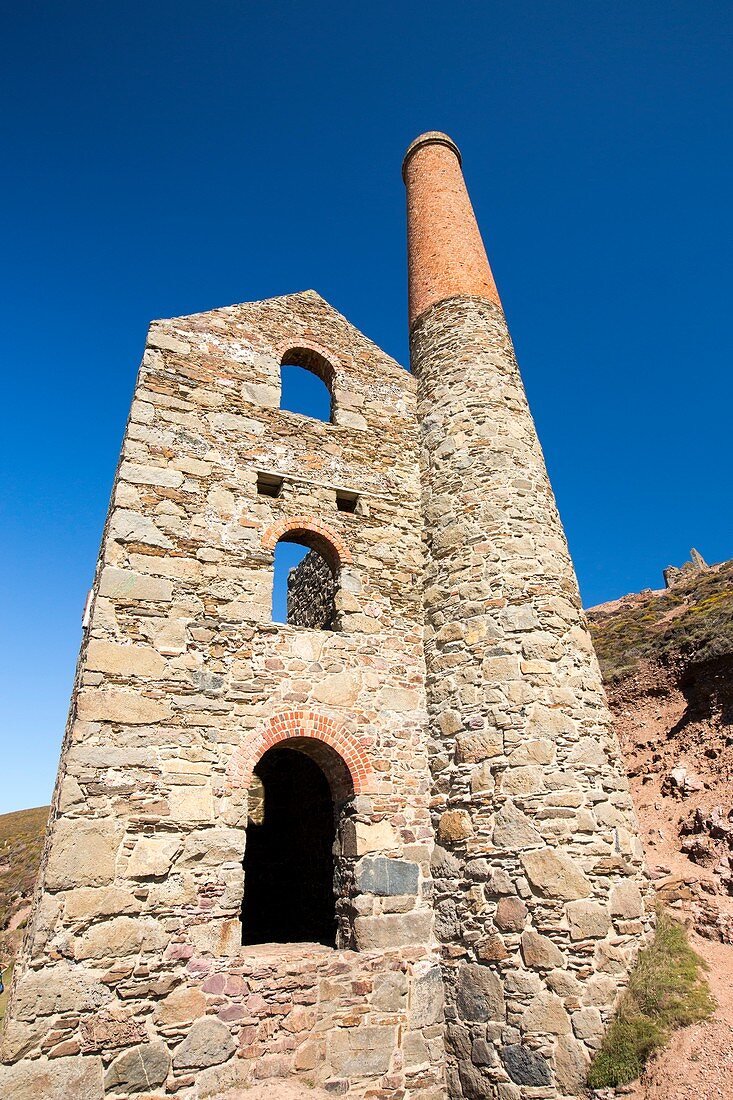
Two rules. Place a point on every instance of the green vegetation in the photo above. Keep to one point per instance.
(693, 620)
(666, 991)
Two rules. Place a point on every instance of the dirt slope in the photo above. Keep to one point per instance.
(21, 841)
(667, 659)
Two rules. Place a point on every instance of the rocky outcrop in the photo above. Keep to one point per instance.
(675, 575)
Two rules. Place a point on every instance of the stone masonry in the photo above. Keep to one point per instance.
(133, 969)
(312, 593)
(485, 850)
(538, 864)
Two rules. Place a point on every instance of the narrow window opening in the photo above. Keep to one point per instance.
(269, 485)
(307, 384)
(305, 584)
(289, 867)
(347, 502)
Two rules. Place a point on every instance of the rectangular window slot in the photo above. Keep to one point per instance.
(269, 485)
(347, 502)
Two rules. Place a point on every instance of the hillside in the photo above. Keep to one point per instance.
(689, 623)
(21, 841)
(667, 661)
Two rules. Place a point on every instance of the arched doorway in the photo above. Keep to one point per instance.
(292, 869)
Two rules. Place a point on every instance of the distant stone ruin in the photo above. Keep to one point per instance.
(311, 599)
(388, 847)
(675, 574)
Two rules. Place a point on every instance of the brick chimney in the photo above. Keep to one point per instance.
(446, 256)
(529, 801)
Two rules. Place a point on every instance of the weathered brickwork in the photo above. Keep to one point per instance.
(445, 253)
(479, 888)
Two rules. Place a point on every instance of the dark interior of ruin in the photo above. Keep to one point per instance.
(288, 863)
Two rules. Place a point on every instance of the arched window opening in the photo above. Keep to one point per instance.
(306, 379)
(293, 878)
(305, 582)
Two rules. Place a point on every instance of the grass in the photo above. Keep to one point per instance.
(667, 990)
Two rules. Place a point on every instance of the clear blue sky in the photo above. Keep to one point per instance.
(165, 158)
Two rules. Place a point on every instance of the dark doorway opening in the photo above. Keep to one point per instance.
(289, 861)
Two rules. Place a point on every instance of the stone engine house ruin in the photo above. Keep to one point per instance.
(386, 847)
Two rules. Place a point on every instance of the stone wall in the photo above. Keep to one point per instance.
(538, 870)
(133, 969)
(312, 593)
(301, 1013)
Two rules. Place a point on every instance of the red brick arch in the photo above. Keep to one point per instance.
(306, 353)
(306, 527)
(308, 729)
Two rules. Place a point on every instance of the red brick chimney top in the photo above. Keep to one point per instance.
(445, 254)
